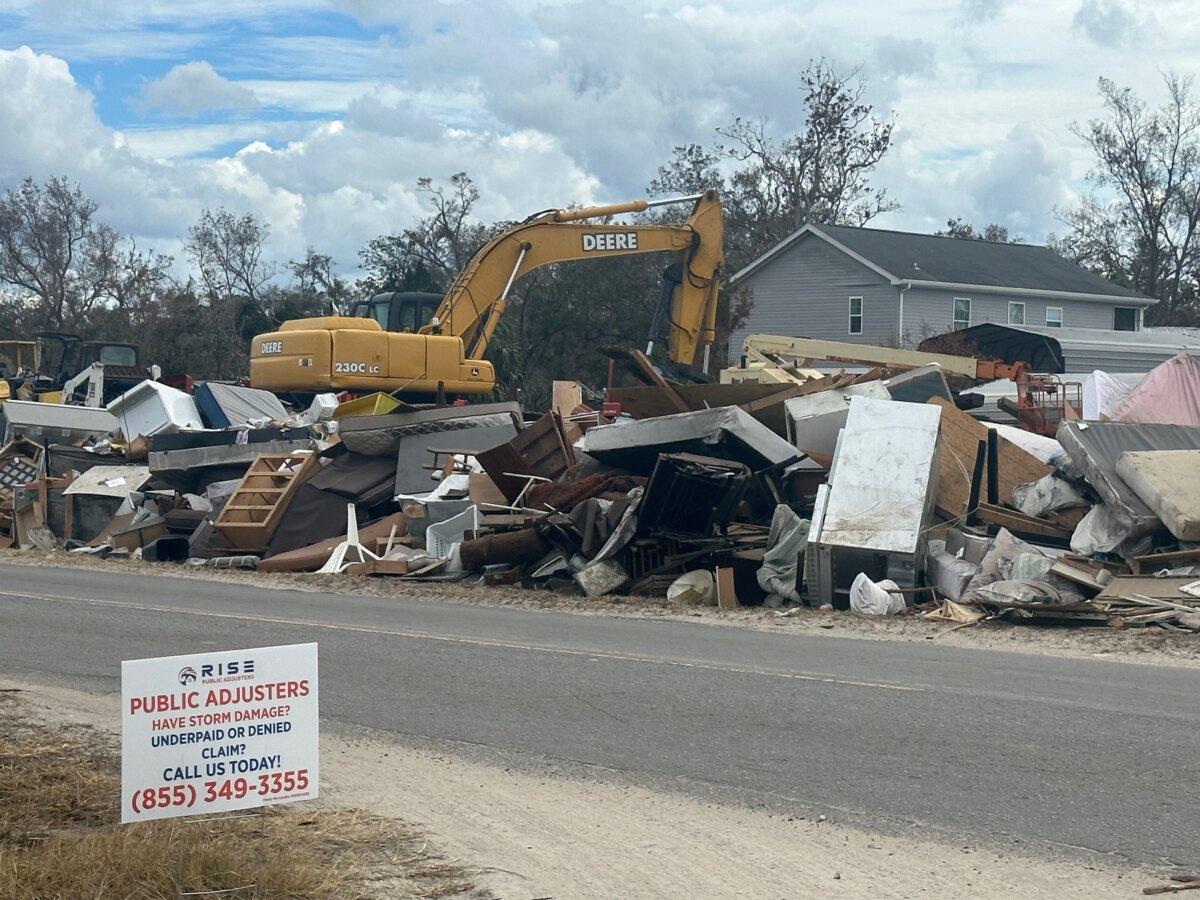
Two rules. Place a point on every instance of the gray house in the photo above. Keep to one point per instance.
(894, 288)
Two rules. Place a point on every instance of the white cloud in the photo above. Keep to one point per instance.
(335, 186)
(180, 142)
(981, 10)
(546, 101)
(1113, 23)
(619, 83)
(1019, 181)
(896, 57)
(195, 87)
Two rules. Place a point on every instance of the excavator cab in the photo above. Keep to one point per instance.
(399, 311)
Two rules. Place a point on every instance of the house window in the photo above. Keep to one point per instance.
(1125, 318)
(856, 315)
(962, 313)
(1054, 317)
(1016, 312)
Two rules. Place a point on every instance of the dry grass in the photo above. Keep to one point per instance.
(60, 837)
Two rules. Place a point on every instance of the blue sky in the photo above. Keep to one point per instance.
(320, 115)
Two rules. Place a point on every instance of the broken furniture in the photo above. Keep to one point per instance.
(317, 509)
(873, 514)
(349, 551)
(312, 557)
(254, 511)
(539, 450)
(151, 408)
(21, 462)
(48, 423)
(691, 495)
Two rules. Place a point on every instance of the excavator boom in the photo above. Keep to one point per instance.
(472, 307)
(447, 354)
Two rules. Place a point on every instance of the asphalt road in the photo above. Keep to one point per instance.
(1061, 755)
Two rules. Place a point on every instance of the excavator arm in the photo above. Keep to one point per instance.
(472, 308)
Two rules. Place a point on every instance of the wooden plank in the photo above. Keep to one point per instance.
(842, 351)
(1019, 522)
(643, 367)
(1080, 573)
(502, 463)
(1152, 562)
(958, 446)
(1124, 586)
(565, 398)
(726, 595)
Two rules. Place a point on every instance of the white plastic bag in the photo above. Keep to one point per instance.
(1100, 531)
(1102, 394)
(873, 599)
(1045, 495)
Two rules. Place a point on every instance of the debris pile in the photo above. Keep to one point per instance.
(871, 492)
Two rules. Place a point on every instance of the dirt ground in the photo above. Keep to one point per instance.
(1150, 646)
(524, 836)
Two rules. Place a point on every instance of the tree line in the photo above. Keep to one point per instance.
(61, 268)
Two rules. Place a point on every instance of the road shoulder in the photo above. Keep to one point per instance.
(1142, 646)
(527, 835)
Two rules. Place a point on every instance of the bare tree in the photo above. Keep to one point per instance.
(430, 254)
(822, 173)
(51, 248)
(1141, 224)
(315, 277)
(44, 230)
(445, 241)
(960, 228)
(119, 274)
(227, 251)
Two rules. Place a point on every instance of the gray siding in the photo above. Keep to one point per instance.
(929, 311)
(805, 291)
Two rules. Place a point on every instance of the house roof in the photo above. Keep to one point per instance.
(926, 260)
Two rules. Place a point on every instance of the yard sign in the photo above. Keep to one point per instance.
(212, 732)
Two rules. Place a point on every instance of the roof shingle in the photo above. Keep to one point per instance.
(959, 261)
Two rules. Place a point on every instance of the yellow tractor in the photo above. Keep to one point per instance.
(446, 339)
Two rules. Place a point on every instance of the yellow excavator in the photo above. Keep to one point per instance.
(370, 351)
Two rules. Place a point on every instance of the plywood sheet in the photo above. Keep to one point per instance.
(958, 444)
